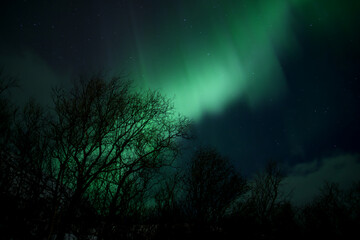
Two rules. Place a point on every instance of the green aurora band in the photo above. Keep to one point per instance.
(208, 54)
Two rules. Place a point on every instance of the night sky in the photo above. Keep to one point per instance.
(262, 80)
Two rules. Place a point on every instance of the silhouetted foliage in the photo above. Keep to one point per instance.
(211, 186)
(168, 199)
(265, 195)
(112, 138)
(6, 117)
(333, 212)
(95, 167)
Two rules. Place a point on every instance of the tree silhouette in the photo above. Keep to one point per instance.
(95, 163)
(212, 184)
(6, 176)
(107, 135)
(30, 158)
(31, 145)
(265, 195)
(333, 212)
(6, 116)
(168, 200)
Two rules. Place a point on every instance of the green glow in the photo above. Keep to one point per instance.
(210, 54)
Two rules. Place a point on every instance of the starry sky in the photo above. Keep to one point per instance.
(262, 80)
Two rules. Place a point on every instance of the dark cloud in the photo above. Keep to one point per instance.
(306, 179)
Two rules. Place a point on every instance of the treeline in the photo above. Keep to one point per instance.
(99, 164)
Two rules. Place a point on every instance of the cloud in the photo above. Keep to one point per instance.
(305, 179)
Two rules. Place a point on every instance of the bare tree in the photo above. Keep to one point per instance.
(332, 212)
(112, 136)
(212, 184)
(24, 153)
(31, 146)
(30, 156)
(6, 82)
(265, 192)
(167, 198)
(7, 111)
(6, 115)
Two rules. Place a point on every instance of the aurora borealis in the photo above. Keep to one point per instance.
(261, 79)
(207, 55)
